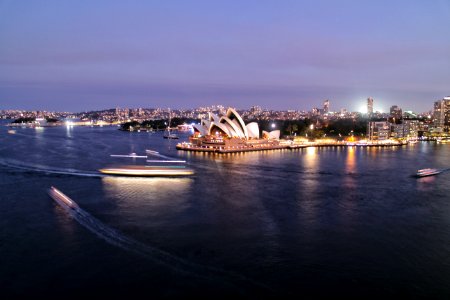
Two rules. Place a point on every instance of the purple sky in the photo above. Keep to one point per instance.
(84, 55)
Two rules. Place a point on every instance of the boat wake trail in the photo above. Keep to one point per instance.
(44, 169)
(158, 256)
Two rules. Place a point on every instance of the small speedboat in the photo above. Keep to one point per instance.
(427, 172)
(151, 152)
(132, 155)
(61, 198)
(171, 136)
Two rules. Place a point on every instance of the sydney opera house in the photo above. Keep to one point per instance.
(229, 133)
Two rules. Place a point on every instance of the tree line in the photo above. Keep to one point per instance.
(334, 128)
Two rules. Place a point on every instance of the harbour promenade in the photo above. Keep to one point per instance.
(229, 134)
(280, 145)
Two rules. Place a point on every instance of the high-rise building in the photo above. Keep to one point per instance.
(326, 106)
(396, 112)
(411, 129)
(315, 111)
(441, 115)
(370, 106)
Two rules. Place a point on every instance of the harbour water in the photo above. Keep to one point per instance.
(307, 222)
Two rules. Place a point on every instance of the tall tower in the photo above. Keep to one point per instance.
(370, 106)
(442, 114)
(326, 106)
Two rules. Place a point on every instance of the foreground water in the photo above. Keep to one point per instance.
(311, 222)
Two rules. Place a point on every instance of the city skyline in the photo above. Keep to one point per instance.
(89, 56)
(323, 108)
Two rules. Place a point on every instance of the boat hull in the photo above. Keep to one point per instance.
(428, 172)
(147, 172)
(426, 175)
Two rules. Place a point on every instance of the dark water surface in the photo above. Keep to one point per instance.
(309, 223)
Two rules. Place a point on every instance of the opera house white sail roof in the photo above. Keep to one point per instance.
(232, 125)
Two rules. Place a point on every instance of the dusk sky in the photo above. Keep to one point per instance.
(86, 55)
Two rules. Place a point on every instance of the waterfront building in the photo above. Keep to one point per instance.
(441, 115)
(397, 130)
(411, 129)
(370, 106)
(230, 125)
(229, 133)
(408, 129)
(378, 130)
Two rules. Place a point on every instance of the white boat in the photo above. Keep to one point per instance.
(147, 171)
(170, 136)
(427, 172)
(61, 198)
(132, 155)
(151, 151)
(167, 134)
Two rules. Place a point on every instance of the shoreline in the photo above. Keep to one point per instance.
(223, 150)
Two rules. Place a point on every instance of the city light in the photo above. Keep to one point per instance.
(363, 109)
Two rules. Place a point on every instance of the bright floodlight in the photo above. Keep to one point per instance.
(363, 109)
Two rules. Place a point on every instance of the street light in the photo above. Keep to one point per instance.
(273, 125)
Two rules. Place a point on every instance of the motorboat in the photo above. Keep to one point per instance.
(169, 135)
(132, 155)
(428, 172)
(151, 151)
(135, 170)
(61, 198)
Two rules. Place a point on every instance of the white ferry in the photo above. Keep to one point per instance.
(134, 170)
(427, 172)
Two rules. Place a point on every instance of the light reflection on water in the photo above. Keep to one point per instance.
(308, 204)
(309, 162)
(143, 197)
(338, 217)
(350, 168)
